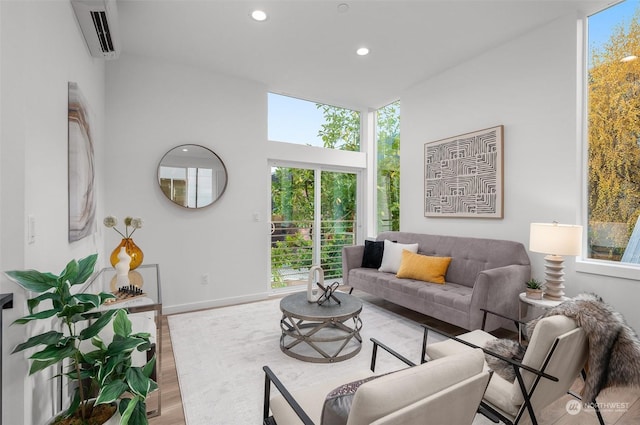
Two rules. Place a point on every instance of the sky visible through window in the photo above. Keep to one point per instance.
(294, 120)
(602, 24)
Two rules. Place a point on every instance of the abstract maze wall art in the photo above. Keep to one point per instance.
(463, 175)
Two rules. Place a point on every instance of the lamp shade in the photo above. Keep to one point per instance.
(556, 239)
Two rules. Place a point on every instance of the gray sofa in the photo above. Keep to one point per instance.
(483, 273)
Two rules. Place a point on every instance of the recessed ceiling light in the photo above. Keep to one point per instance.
(362, 51)
(185, 150)
(343, 8)
(629, 58)
(259, 15)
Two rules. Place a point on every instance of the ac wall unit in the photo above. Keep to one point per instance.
(98, 21)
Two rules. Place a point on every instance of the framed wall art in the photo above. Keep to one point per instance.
(463, 175)
(82, 191)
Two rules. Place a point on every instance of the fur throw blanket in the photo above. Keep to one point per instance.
(614, 347)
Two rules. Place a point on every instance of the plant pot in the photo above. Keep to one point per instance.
(132, 249)
(534, 294)
(112, 420)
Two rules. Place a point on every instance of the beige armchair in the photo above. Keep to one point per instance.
(410, 396)
(554, 359)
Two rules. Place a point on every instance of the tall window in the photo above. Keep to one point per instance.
(315, 124)
(613, 110)
(388, 167)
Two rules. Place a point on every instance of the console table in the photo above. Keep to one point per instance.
(147, 278)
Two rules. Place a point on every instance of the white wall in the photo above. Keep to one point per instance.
(42, 49)
(151, 108)
(529, 86)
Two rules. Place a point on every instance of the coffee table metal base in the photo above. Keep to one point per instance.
(311, 333)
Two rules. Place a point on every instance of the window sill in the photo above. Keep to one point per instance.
(609, 268)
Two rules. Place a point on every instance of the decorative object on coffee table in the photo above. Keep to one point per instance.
(313, 290)
(327, 293)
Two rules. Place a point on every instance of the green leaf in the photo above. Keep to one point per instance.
(96, 341)
(97, 326)
(92, 299)
(34, 302)
(111, 392)
(38, 365)
(122, 324)
(148, 368)
(133, 412)
(106, 296)
(85, 269)
(47, 338)
(33, 280)
(108, 368)
(40, 315)
(70, 273)
(54, 352)
(123, 345)
(138, 382)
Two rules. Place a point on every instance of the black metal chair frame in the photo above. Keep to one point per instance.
(489, 411)
(271, 378)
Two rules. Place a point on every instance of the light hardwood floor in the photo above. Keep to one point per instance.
(620, 406)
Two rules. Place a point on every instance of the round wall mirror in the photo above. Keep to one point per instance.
(192, 176)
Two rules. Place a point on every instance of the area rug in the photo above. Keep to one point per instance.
(219, 355)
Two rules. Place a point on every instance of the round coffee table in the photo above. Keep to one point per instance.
(320, 333)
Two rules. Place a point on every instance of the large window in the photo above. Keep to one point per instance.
(315, 124)
(613, 108)
(388, 167)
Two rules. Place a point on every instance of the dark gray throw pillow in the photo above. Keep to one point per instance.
(373, 251)
(337, 404)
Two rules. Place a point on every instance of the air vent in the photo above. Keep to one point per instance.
(99, 24)
(102, 30)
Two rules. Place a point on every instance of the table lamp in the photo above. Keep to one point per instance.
(555, 240)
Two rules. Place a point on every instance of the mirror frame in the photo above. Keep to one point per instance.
(214, 157)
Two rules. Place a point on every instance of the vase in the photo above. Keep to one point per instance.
(132, 249)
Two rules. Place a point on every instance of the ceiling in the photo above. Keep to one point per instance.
(306, 48)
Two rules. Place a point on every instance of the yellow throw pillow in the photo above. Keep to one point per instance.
(423, 267)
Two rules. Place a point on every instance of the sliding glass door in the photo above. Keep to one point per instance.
(313, 215)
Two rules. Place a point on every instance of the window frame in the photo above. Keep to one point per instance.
(583, 263)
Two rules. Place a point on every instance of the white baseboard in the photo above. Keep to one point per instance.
(184, 308)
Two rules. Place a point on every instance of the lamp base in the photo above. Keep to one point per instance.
(554, 277)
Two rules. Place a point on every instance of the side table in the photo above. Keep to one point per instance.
(543, 304)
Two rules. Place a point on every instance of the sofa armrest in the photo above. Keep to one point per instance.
(497, 290)
(351, 259)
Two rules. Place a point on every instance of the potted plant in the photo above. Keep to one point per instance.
(102, 374)
(534, 289)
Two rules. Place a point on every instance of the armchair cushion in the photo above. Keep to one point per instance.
(410, 389)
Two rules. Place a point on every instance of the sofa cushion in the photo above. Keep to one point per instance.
(392, 255)
(372, 257)
(423, 267)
